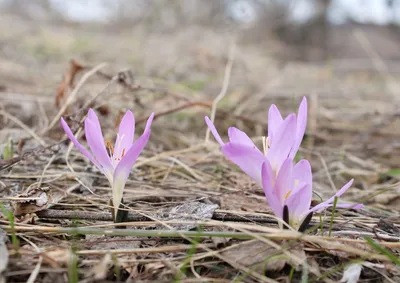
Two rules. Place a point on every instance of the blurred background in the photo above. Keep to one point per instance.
(341, 52)
(162, 37)
(155, 36)
(295, 29)
(173, 58)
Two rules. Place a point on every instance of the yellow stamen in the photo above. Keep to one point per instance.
(288, 194)
(123, 153)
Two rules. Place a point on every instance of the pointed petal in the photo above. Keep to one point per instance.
(80, 147)
(213, 131)
(325, 205)
(299, 200)
(268, 181)
(299, 204)
(93, 118)
(328, 202)
(238, 136)
(95, 140)
(282, 142)
(124, 167)
(274, 120)
(284, 180)
(249, 159)
(125, 135)
(341, 191)
(301, 125)
(302, 173)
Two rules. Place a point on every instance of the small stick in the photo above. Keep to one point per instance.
(23, 126)
(133, 217)
(224, 89)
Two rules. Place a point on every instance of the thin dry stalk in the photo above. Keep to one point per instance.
(225, 84)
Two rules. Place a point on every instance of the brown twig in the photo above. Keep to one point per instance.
(105, 216)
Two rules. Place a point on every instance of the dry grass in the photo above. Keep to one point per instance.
(353, 132)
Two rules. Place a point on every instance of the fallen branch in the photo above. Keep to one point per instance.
(134, 217)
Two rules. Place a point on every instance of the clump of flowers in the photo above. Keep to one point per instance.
(287, 186)
(115, 162)
(283, 141)
(289, 194)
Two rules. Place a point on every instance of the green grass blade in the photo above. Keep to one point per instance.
(382, 250)
(10, 217)
(333, 215)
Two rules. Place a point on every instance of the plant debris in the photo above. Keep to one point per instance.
(191, 215)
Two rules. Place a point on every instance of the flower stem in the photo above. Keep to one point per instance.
(333, 215)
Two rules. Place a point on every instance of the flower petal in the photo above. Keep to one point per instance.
(302, 174)
(341, 191)
(328, 202)
(299, 204)
(249, 159)
(325, 205)
(214, 131)
(124, 167)
(95, 140)
(80, 147)
(238, 136)
(284, 180)
(282, 142)
(268, 181)
(274, 120)
(125, 135)
(301, 125)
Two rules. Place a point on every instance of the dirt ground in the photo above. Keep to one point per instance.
(353, 132)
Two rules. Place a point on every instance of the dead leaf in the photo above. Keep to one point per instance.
(257, 255)
(188, 211)
(36, 199)
(219, 241)
(58, 257)
(68, 82)
(3, 254)
(352, 273)
(99, 271)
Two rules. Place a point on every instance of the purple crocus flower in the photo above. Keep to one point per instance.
(114, 162)
(289, 194)
(283, 141)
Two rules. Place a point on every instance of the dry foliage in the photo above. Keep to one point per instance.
(183, 183)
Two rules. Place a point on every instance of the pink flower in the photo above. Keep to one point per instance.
(289, 194)
(284, 139)
(117, 162)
